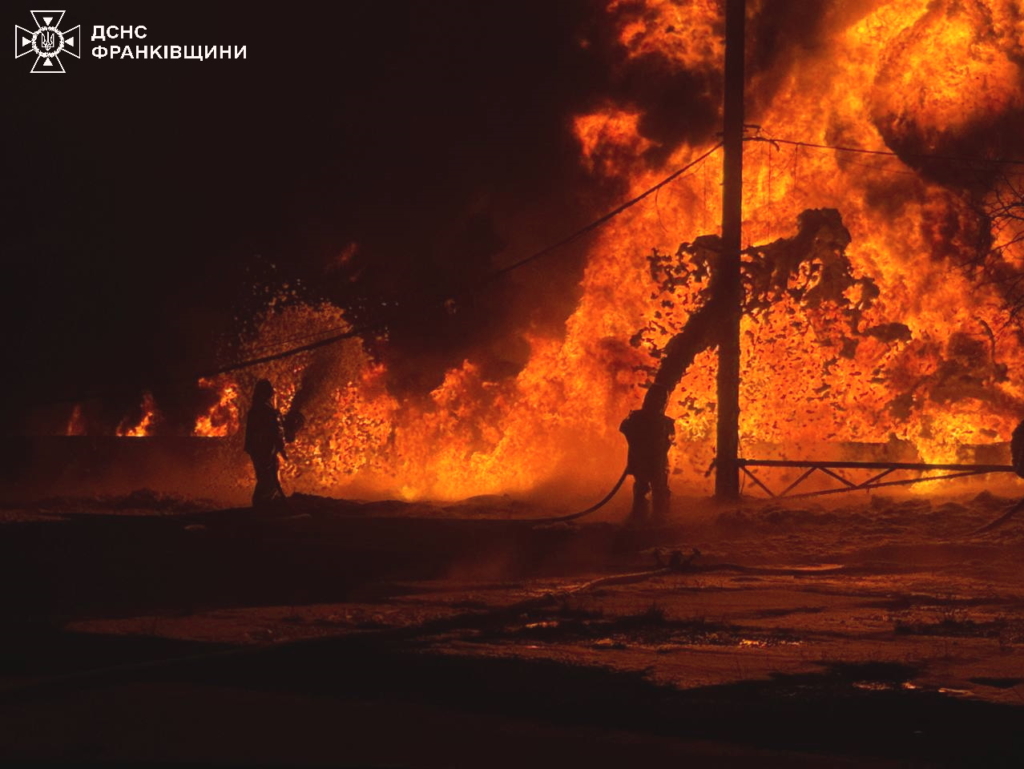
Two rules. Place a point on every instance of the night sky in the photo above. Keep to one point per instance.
(145, 200)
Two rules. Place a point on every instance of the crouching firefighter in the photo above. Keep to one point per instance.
(264, 441)
(649, 435)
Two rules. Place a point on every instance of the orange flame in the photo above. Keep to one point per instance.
(142, 428)
(76, 422)
(221, 419)
(904, 71)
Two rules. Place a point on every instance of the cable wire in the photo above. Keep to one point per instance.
(598, 222)
(359, 331)
(364, 329)
(888, 153)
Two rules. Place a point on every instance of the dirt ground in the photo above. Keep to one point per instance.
(154, 629)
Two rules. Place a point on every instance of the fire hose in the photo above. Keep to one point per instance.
(592, 509)
(992, 525)
(1000, 520)
(1017, 453)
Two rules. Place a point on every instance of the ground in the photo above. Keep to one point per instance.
(840, 631)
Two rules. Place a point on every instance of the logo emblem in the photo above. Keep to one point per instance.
(48, 42)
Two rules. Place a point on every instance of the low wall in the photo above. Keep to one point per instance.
(61, 465)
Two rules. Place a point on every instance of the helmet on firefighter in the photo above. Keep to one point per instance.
(263, 391)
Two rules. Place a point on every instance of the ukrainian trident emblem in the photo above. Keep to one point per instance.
(47, 42)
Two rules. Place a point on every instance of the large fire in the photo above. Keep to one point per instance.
(928, 360)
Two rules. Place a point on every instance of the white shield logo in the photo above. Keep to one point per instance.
(47, 42)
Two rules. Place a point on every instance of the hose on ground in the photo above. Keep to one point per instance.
(1000, 520)
(592, 509)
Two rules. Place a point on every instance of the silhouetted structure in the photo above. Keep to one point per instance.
(649, 434)
(264, 442)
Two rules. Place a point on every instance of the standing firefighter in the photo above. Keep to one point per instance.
(649, 434)
(264, 441)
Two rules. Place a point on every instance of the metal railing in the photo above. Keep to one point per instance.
(876, 481)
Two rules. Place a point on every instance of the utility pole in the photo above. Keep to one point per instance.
(727, 478)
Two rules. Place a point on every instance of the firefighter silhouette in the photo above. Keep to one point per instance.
(264, 442)
(649, 435)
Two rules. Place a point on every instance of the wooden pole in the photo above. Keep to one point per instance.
(727, 479)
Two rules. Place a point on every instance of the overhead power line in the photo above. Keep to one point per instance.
(598, 222)
(889, 153)
(353, 332)
(350, 332)
(612, 214)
